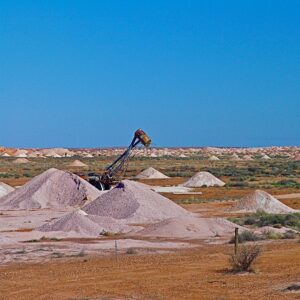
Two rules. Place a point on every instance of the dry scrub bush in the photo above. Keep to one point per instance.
(242, 261)
(246, 236)
(131, 251)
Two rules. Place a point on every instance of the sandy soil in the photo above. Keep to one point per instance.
(186, 274)
(41, 248)
(288, 196)
(175, 190)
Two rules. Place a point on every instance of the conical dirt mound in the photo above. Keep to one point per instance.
(77, 221)
(84, 224)
(21, 161)
(151, 173)
(5, 155)
(248, 157)
(51, 189)
(203, 179)
(77, 163)
(190, 228)
(135, 203)
(213, 157)
(261, 201)
(5, 189)
(234, 157)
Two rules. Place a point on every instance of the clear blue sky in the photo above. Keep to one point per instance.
(88, 73)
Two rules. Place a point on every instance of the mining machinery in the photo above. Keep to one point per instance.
(112, 172)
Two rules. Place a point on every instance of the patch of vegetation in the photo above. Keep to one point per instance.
(289, 235)
(261, 219)
(190, 201)
(109, 233)
(238, 184)
(246, 236)
(243, 260)
(249, 236)
(32, 241)
(44, 238)
(255, 169)
(286, 184)
(272, 235)
(9, 175)
(27, 175)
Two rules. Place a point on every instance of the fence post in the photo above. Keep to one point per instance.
(116, 251)
(236, 240)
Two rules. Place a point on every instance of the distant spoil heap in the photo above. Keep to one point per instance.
(78, 163)
(213, 157)
(151, 173)
(203, 179)
(21, 160)
(261, 201)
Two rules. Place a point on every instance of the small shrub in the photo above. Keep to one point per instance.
(31, 241)
(81, 253)
(57, 254)
(250, 220)
(246, 236)
(106, 233)
(272, 235)
(238, 221)
(242, 261)
(289, 235)
(131, 251)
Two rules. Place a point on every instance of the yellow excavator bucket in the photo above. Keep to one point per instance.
(143, 137)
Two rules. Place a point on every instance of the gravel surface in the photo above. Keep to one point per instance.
(190, 228)
(51, 189)
(84, 224)
(76, 221)
(134, 202)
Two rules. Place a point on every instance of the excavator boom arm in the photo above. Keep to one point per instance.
(105, 180)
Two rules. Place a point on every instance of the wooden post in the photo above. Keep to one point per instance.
(236, 240)
(116, 250)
